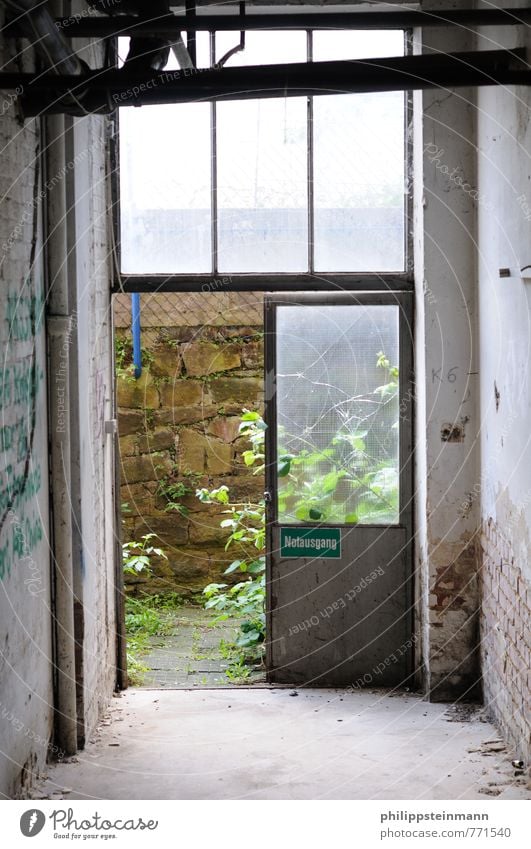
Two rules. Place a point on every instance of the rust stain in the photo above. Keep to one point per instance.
(454, 584)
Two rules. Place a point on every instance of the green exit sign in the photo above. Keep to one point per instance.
(310, 542)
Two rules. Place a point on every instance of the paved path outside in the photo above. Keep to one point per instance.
(191, 655)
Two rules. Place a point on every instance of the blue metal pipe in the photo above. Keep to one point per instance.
(137, 349)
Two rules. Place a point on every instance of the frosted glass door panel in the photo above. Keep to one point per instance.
(337, 414)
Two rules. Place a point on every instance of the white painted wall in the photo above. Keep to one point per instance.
(504, 241)
(504, 236)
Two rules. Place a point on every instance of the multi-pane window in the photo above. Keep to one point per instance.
(284, 185)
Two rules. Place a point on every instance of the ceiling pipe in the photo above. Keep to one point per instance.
(37, 24)
(169, 25)
(42, 94)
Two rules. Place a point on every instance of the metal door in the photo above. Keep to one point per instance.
(339, 493)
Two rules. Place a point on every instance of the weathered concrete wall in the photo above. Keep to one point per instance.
(26, 701)
(504, 240)
(27, 614)
(446, 340)
(92, 460)
(178, 424)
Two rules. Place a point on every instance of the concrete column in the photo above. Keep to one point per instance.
(447, 377)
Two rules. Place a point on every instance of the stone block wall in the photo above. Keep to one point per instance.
(179, 427)
(506, 643)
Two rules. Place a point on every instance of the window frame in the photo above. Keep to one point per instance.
(310, 280)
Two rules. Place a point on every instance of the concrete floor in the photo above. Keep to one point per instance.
(272, 744)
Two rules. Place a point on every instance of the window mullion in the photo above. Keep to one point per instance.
(311, 227)
(213, 167)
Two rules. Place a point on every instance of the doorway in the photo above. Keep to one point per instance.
(339, 489)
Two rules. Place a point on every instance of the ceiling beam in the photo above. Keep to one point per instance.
(107, 90)
(167, 25)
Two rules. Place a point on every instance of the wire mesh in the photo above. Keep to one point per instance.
(195, 312)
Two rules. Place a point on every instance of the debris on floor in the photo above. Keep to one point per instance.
(189, 745)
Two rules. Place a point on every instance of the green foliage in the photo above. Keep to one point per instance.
(343, 482)
(137, 554)
(253, 427)
(390, 389)
(167, 602)
(173, 491)
(145, 617)
(211, 496)
(140, 617)
(123, 359)
(239, 671)
(244, 600)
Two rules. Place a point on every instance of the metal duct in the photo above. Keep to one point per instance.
(40, 28)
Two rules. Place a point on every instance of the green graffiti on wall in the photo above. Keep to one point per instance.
(21, 476)
(24, 315)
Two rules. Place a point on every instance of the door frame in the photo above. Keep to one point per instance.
(404, 300)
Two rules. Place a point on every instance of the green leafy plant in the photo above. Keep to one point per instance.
(138, 553)
(354, 478)
(123, 359)
(173, 491)
(145, 617)
(244, 600)
(142, 619)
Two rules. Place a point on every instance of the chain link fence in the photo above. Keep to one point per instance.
(191, 311)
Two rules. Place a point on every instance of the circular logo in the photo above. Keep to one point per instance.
(32, 822)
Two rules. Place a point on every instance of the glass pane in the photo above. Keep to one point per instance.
(359, 158)
(337, 414)
(165, 185)
(262, 48)
(262, 167)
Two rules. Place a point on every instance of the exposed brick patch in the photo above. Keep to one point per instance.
(506, 643)
(453, 660)
(451, 588)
